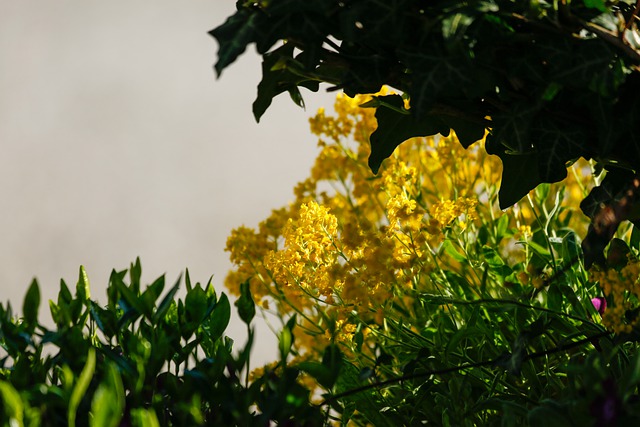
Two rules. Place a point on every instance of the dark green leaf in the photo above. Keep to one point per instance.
(135, 274)
(245, 304)
(131, 300)
(219, 319)
(332, 360)
(105, 319)
(152, 293)
(520, 174)
(468, 130)
(318, 371)
(279, 75)
(166, 301)
(233, 37)
(396, 125)
(196, 307)
(31, 305)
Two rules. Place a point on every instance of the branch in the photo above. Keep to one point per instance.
(611, 38)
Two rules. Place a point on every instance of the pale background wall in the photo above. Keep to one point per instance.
(116, 141)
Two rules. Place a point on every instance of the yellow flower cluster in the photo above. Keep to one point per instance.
(352, 246)
(446, 211)
(622, 290)
(304, 264)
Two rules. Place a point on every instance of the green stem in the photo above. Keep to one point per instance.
(453, 369)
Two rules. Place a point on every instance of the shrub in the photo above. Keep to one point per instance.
(140, 360)
(403, 299)
(442, 308)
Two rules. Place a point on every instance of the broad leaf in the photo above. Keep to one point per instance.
(278, 76)
(396, 125)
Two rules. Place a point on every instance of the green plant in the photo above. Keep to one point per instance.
(141, 360)
(417, 300)
(550, 81)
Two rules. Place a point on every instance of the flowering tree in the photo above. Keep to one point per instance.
(411, 297)
(550, 81)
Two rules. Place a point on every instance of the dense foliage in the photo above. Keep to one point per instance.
(140, 360)
(446, 309)
(550, 81)
(402, 299)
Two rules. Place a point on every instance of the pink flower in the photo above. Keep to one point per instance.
(600, 304)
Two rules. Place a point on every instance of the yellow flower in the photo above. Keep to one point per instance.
(525, 231)
(357, 247)
(618, 287)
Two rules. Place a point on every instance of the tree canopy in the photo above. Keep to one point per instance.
(549, 82)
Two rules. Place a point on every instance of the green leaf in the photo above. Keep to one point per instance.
(219, 319)
(317, 370)
(135, 273)
(366, 401)
(12, 404)
(327, 372)
(130, 297)
(596, 4)
(568, 293)
(188, 280)
(233, 37)
(196, 308)
(502, 227)
(333, 361)
(83, 291)
(631, 377)
(450, 250)
(141, 417)
(105, 319)
(557, 143)
(285, 339)
(439, 72)
(81, 386)
(279, 75)
(579, 63)
(571, 250)
(467, 130)
(492, 258)
(64, 295)
(554, 298)
(511, 129)
(245, 304)
(107, 406)
(460, 335)
(520, 174)
(152, 293)
(165, 304)
(396, 125)
(31, 305)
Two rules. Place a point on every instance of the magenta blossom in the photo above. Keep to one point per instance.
(600, 304)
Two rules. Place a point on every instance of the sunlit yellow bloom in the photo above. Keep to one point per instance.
(353, 248)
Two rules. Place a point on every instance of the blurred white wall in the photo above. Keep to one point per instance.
(116, 141)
